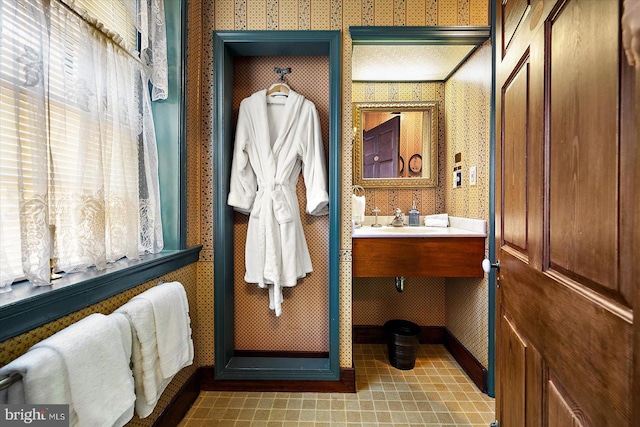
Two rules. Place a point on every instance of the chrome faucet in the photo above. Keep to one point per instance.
(376, 211)
(398, 221)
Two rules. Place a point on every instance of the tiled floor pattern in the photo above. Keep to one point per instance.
(435, 393)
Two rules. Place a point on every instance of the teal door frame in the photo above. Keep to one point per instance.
(226, 45)
(491, 369)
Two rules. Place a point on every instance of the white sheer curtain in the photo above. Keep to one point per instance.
(153, 45)
(79, 171)
(148, 18)
(23, 144)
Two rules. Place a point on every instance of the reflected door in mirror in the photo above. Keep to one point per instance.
(395, 144)
(380, 149)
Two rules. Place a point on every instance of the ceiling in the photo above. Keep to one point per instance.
(407, 63)
(411, 53)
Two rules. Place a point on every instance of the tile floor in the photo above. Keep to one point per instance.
(435, 393)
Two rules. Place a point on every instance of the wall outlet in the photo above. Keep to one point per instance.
(457, 179)
(472, 175)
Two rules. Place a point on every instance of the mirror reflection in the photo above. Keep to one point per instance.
(395, 144)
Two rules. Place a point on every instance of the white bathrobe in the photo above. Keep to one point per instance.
(276, 138)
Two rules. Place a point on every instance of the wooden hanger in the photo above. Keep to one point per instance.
(279, 89)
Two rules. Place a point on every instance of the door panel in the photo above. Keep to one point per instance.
(582, 337)
(514, 10)
(563, 410)
(515, 96)
(522, 376)
(512, 368)
(380, 148)
(584, 142)
(565, 130)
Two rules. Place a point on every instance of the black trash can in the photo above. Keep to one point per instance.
(403, 339)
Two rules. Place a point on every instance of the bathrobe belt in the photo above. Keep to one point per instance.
(273, 211)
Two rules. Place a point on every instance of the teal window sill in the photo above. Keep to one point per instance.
(26, 307)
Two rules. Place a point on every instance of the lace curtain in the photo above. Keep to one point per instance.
(79, 171)
(153, 45)
(149, 21)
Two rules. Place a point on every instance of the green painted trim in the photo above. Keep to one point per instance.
(170, 125)
(182, 222)
(418, 35)
(76, 291)
(335, 206)
(275, 43)
(227, 44)
(492, 210)
(276, 368)
(223, 273)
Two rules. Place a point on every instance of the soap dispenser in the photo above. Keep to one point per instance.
(414, 216)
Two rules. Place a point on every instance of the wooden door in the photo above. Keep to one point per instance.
(380, 148)
(565, 219)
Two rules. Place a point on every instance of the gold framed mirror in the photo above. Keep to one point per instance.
(395, 144)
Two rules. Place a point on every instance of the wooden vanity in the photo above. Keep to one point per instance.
(418, 257)
(447, 252)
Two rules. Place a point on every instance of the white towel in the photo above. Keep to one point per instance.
(358, 204)
(439, 220)
(97, 366)
(162, 343)
(148, 379)
(122, 322)
(173, 326)
(123, 325)
(86, 366)
(44, 379)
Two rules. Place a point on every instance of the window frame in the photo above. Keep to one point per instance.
(27, 307)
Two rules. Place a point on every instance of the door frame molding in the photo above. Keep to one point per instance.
(226, 45)
(492, 211)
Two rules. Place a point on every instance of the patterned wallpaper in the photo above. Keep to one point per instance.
(376, 300)
(304, 323)
(206, 16)
(467, 126)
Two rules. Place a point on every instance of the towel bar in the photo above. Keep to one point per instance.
(7, 382)
(358, 190)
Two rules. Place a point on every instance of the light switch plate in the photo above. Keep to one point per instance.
(457, 179)
(472, 175)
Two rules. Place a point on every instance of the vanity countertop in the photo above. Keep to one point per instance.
(458, 227)
(455, 251)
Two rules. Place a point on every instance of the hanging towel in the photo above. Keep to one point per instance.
(162, 344)
(439, 220)
(173, 326)
(85, 365)
(358, 204)
(97, 368)
(44, 379)
(122, 322)
(148, 379)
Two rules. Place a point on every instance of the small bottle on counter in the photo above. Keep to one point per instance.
(414, 216)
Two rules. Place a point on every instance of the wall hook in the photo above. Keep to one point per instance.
(282, 72)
